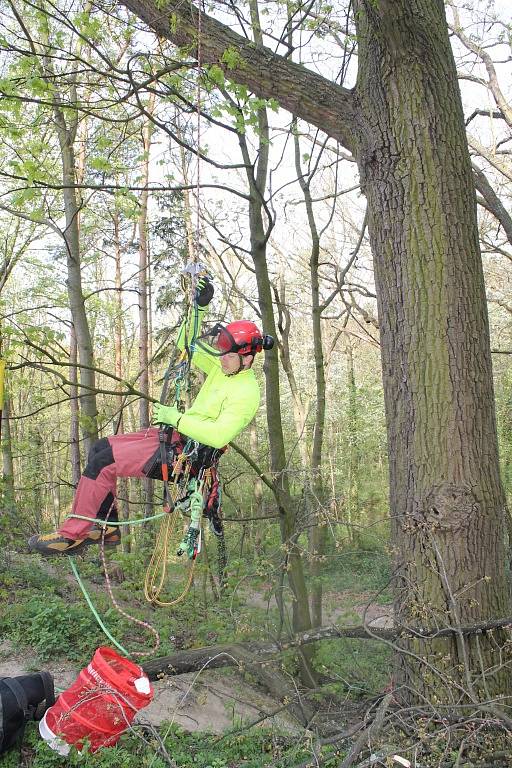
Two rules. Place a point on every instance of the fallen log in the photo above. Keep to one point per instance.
(253, 658)
(236, 654)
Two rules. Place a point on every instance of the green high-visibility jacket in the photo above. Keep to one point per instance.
(224, 405)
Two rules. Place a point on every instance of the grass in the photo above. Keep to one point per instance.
(62, 625)
(41, 608)
(359, 570)
(140, 749)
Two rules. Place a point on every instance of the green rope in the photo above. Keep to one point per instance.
(106, 523)
(93, 609)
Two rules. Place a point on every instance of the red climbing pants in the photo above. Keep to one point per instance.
(135, 454)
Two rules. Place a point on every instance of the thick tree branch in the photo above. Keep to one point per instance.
(302, 92)
(492, 201)
(227, 655)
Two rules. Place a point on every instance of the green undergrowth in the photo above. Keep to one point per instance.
(361, 571)
(357, 668)
(251, 749)
(42, 609)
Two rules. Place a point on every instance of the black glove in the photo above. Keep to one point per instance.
(204, 291)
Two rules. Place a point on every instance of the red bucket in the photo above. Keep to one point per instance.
(101, 703)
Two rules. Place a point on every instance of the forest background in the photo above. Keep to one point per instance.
(104, 201)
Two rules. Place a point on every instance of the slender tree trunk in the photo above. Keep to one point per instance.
(256, 508)
(74, 428)
(353, 459)
(8, 498)
(147, 133)
(315, 494)
(300, 406)
(122, 482)
(67, 124)
(447, 502)
(89, 411)
(293, 562)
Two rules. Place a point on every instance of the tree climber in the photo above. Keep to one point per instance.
(225, 404)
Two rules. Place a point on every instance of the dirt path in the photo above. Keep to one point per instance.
(343, 608)
(210, 701)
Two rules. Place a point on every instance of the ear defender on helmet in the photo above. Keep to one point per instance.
(268, 342)
(258, 343)
(242, 337)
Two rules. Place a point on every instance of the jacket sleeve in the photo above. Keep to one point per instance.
(232, 419)
(200, 358)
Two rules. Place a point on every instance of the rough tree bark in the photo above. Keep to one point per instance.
(404, 124)
(446, 496)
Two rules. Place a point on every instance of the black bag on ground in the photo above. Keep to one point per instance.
(21, 700)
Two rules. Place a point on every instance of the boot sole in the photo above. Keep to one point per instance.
(78, 550)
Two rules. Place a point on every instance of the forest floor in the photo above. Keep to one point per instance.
(213, 700)
(207, 718)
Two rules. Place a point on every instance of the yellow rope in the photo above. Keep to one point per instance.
(156, 573)
(157, 569)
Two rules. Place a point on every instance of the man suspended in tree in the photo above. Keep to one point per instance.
(225, 404)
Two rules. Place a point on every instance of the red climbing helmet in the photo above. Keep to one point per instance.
(241, 336)
(244, 337)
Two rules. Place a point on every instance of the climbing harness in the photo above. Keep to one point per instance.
(193, 488)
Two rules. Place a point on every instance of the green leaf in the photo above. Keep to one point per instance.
(216, 74)
(232, 58)
(100, 164)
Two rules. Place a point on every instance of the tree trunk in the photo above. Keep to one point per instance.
(122, 482)
(89, 411)
(292, 559)
(352, 500)
(314, 496)
(147, 483)
(67, 124)
(447, 503)
(257, 507)
(74, 427)
(8, 498)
